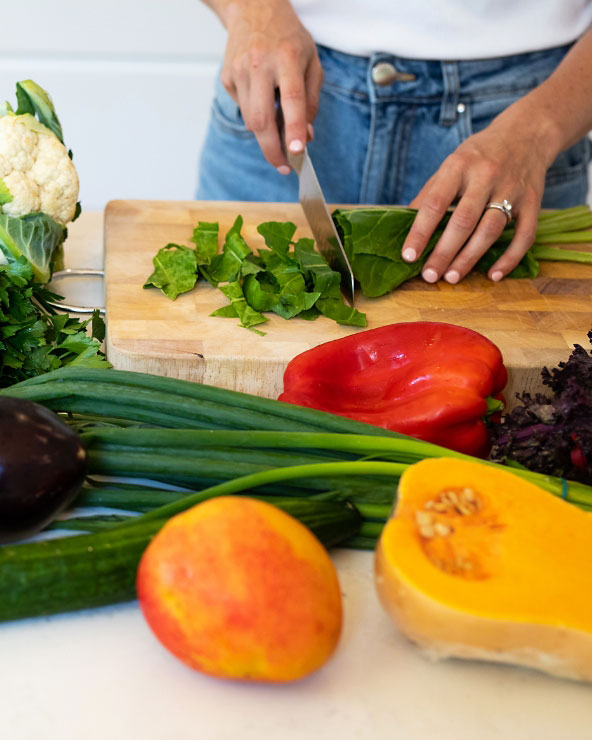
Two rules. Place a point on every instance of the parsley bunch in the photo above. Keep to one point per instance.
(35, 340)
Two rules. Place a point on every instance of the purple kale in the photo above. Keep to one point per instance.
(552, 435)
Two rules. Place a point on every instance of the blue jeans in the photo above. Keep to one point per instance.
(380, 143)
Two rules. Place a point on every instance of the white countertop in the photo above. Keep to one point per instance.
(101, 675)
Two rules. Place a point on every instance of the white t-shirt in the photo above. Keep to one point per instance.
(444, 29)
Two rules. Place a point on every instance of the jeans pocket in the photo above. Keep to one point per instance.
(227, 115)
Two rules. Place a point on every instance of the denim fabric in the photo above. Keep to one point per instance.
(379, 144)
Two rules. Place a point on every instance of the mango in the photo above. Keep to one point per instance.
(236, 588)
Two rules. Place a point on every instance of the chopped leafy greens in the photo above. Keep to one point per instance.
(33, 340)
(287, 278)
(174, 270)
(205, 238)
(247, 315)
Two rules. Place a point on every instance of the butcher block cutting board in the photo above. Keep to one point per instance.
(534, 322)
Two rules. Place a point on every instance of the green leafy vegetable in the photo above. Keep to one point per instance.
(35, 236)
(205, 238)
(288, 278)
(32, 339)
(373, 239)
(174, 270)
(247, 315)
(34, 100)
(277, 235)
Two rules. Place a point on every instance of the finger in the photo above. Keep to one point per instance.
(260, 118)
(313, 81)
(489, 229)
(434, 200)
(459, 228)
(524, 236)
(294, 107)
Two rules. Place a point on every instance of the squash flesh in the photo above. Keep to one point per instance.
(510, 580)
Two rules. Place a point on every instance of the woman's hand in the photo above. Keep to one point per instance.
(269, 49)
(506, 161)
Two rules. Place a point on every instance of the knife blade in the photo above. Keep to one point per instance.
(317, 214)
(320, 222)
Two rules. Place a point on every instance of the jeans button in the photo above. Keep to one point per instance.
(385, 73)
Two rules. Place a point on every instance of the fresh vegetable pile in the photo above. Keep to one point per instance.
(289, 278)
(335, 474)
(38, 196)
(552, 434)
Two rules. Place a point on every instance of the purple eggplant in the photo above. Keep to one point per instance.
(42, 467)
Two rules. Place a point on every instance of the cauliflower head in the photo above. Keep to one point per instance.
(36, 169)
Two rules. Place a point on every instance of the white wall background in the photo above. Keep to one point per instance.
(131, 80)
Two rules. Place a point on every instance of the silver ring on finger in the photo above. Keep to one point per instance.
(505, 206)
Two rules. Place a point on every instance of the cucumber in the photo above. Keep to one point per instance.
(83, 571)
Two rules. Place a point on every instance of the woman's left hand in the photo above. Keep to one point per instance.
(506, 161)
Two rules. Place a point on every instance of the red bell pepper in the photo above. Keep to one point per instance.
(428, 380)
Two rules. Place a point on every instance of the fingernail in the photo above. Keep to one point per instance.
(284, 169)
(409, 254)
(497, 276)
(310, 131)
(429, 275)
(296, 146)
(452, 276)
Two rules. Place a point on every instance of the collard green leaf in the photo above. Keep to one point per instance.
(326, 281)
(290, 305)
(225, 312)
(277, 235)
(379, 275)
(227, 266)
(373, 239)
(260, 294)
(336, 309)
(175, 270)
(314, 266)
(528, 267)
(247, 315)
(251, 265)
(205, 238)
(376, 231)
(35, 236)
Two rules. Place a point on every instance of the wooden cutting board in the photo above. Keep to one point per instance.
(533, 322)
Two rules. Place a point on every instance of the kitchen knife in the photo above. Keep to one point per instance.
(317, 214)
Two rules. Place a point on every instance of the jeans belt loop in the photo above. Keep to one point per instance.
(450, 95)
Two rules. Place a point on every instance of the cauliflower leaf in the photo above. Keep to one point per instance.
(33, 99)
(35, 236)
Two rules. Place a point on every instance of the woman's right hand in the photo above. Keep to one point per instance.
(268, 49)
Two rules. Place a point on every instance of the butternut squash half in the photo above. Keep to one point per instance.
(478, 563)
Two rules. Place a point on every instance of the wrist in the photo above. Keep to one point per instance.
(534, 120)
(260, 12)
